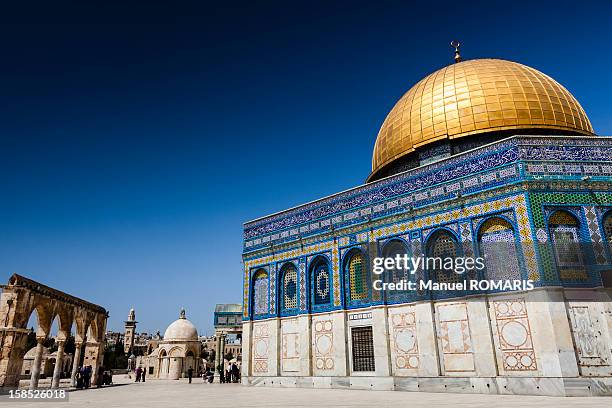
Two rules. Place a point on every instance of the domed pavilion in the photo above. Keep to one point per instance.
(483, 159)
(176, 353)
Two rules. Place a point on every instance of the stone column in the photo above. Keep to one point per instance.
(222, 353)
(12, 345)
(246, 351)
(97, 362)
(75, 362)
(36, 364)
(217, 350)
(57, 370)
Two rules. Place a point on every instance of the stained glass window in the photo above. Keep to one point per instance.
(498, 248)
(260, 293)
(321, 284)
(290, 287)
(442, 245)
(357, 277)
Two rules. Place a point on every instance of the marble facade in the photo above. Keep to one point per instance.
(553, 340)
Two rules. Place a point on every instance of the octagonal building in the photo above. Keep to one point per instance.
(486, 159)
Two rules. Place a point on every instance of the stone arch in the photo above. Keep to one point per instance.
(92, 332)
(25, 297)
(175, 367)
(81, 326)
(66, 318)
(164, 364)
(44, 318)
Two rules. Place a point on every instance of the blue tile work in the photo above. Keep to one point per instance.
(458, 193)
(487, 167)
(302, 279)
(272, 288)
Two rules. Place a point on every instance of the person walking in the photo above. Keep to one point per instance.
(100, 378)
(221, 373)
(190, 374)
(142, 375)
(235, 372)
(87, 377)
(79, 379)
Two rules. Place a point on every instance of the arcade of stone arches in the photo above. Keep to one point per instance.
(22, 298)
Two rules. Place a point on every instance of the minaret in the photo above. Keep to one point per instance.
(130, 331)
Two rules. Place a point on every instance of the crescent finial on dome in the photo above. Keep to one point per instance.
(456, 44)
(182, 314)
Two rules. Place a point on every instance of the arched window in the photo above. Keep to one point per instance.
(289, 289)
(564, 233)
(358, 280)
(607, 227)
(321, 283)
(260, 293)
(441, 245)
(392, 249)
(497, 244)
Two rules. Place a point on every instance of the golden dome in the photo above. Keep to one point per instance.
(472, 97)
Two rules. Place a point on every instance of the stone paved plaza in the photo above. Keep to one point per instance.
(168, 393)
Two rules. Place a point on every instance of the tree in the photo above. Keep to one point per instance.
(114, 356)
(50, 344)
(70, 345)
(31, 341)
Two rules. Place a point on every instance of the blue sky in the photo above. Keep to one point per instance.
(137, 137)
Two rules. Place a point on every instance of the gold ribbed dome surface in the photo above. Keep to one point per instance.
(472, 97)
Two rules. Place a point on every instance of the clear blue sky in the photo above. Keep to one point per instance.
(136, 138)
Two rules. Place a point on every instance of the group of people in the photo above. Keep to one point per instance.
(83, 377)
(231, 375)
(140, 374)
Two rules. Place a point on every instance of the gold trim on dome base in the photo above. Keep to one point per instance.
(475, 97)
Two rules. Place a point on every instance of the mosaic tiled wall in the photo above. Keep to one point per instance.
(392, 203)
(500, 163)
(585, 206)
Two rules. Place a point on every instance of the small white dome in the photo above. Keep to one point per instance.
(181, 329)
(32, 353)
